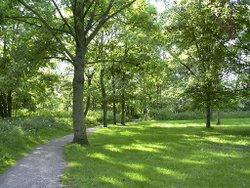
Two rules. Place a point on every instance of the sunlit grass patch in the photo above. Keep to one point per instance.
(163, 154)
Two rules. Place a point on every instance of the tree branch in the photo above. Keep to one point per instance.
(24, 20)
(183, 64)
(105, 17)
(63, 19)
(46, 24)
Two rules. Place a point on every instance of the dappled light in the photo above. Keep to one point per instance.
(163, 85)
(154, 155)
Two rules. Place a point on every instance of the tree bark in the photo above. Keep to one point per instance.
(87, 106)
(208, 118)
(218, 118)
(80, 134)
(114, 113)
(104, 99)
(88, 97)
(211, 116)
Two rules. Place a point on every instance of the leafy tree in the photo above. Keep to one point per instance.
(200, 34)
(73, 24)
(19, 46)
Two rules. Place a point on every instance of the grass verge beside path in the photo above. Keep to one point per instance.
(19, 136)
(163, 154)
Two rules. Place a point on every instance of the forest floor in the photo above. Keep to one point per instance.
(42, 168)
(163, 154)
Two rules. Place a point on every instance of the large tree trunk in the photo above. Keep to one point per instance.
(87, 106)
(88, 97)
(80, 134)
(208, 116)
(104, 99)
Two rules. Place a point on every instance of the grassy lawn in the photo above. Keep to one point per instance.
(19, 136)
(163, 154)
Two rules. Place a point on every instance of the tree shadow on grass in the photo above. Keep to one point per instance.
(157, 156)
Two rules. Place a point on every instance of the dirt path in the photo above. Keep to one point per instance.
(42, 168)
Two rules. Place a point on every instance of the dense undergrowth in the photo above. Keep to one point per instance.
(18, 136)
(93, 118)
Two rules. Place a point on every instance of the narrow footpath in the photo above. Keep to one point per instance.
(42, 168)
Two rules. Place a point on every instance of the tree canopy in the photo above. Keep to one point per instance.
(124, 59)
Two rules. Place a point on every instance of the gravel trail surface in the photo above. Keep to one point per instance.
(42, 168)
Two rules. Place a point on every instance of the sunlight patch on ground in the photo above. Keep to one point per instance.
(135, 176)
(134, 166)
(141, 147)
(112, 148)
(246, 172)
(169, 172)
(216, 139)
(100, 156)
(75, 164)
(111, 180)
(164, 154)
(192, 138)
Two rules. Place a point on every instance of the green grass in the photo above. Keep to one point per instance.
(163, 154)
(19, 136)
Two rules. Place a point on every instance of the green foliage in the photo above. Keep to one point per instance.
(202, 40)
(162, 154)
(235, 114)
(192, 61)
(18, 136)
(94, 118)
(165, 114)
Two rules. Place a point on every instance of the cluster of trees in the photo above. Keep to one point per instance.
(123, 57)
(210, 39)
